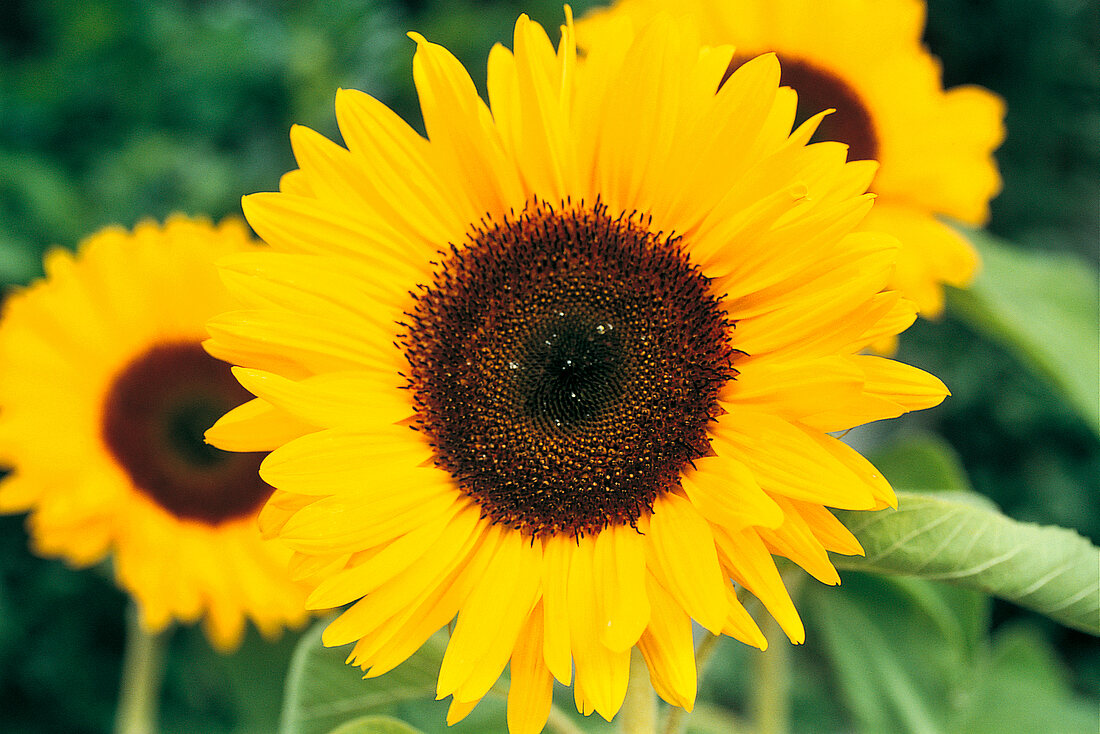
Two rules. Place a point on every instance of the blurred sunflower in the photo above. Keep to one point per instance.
(105, 391)
(567, 366)
(864, 59)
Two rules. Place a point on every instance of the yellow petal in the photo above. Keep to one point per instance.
(619, 567)
(668, 649)
(680, 551)
(531, 689)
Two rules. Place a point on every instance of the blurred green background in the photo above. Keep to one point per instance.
(116, 110)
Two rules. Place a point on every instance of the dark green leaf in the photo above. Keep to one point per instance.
(921, 462)
(901, 649)
(1046, 307)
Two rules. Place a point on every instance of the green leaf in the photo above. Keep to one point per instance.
(375, 725)
(1044, 306)
(958, 537)
(910, 656)
(901, 649)
(323, 692)
(921, 462)
(1024, 688)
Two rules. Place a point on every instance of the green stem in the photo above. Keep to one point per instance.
(769, 704)
(769, 701)
(560, 723)
(142, 673)
(639, 712)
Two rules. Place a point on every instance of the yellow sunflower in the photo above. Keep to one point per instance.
(105, 391)
(567, 366)
(864, 59)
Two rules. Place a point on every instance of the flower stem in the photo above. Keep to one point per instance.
(639, 712)
(560, 723)
(769, 704)
(142, 673)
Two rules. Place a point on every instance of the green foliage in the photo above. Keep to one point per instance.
(239, 693)
(1046, 307)
(959, 537)
(921, 462)
(902, 650)
(375, 725)
(323, 692)
(910, 657)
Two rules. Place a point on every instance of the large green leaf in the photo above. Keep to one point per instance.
(910, 656)
(323, 692)
(901, 650)
(959, 537)
(1046, 307)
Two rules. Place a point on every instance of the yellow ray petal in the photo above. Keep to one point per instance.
(392, 642)
(327, 286)
(297, 224)
(450, 552)
(555, 583)
(315, 343)
(460, 127)
(408, 182)
(333, 399)
(788, 460)
(740, 625)
(751, 565)
(601, 674)
(489, 623)
(830, 531)
(342, 460)
(726, 493)
(619, 567)
(362, 578)
(680, 552)
(532, 687)
(256, 426)
(794, 540)
(668, 649)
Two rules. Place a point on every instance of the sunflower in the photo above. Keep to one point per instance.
(864, 59)
(566, 368)
(105, 391)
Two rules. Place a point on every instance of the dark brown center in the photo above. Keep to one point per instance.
(154, 418)
(564, 366)
(819, 89)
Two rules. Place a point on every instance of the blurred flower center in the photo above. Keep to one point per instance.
(818, 90)
(154, 417)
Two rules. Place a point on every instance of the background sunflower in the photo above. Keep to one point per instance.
(114, 110)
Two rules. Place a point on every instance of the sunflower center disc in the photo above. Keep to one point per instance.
(565, 365)
(818, 89)
(154, 418)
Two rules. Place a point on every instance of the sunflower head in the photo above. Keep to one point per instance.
(864, 60)
(565, 369)
(105, 392)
